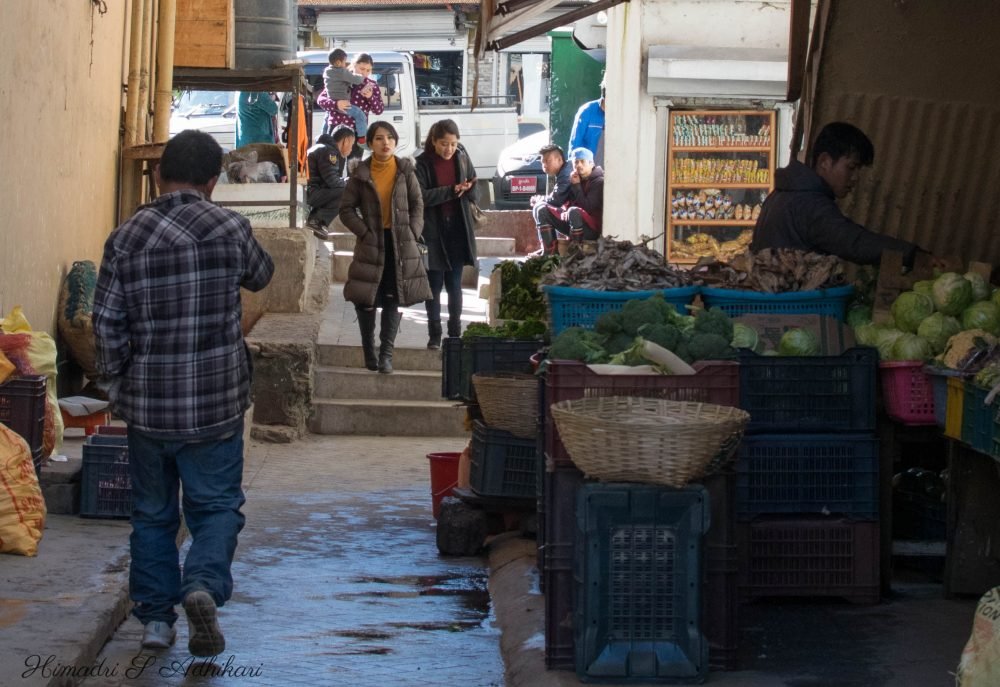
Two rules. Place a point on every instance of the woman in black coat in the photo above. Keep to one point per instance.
(448, 184)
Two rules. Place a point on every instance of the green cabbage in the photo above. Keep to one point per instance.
(746, 337)
(952, 294)
(910, 347)
(980, 287)
(798, 342)
(984, 315)
(867, 333)
(937, 329)
(910, 309)
(995, 298)
(858, 315)
(885, 340)
(925, 287)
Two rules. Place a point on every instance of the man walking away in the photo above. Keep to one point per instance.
(170, 347)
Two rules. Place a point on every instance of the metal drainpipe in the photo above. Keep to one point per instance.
(164, 70)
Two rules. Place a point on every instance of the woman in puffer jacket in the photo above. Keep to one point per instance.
(383, 208)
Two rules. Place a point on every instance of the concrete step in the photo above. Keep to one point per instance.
(413, 359)
(350, 382)
(339, 262)
(486, 246)
(387, 418)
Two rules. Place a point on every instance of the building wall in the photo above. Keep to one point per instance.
(630, 197)
(61, 80)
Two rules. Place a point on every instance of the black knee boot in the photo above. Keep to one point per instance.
(433, 334)
(366, 321)
(387, 335)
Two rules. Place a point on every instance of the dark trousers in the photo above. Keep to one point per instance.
(451, 280)
(578, 225)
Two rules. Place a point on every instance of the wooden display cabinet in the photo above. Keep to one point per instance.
(720, 168)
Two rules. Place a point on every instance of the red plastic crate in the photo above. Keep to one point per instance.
(809, 557)
(908, 392)
(715, 382)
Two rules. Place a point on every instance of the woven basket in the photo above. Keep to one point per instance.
(649, 440)
(508, 401)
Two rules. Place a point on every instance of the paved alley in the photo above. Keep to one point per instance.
(337, 580)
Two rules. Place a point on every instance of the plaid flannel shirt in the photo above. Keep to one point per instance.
(167, 316)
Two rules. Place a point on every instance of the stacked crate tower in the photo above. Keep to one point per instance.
(807, 479)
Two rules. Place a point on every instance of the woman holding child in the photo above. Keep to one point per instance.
(367, 96)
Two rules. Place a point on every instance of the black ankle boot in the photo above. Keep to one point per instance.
(433, 334)
(366, 321)
(387, 335)
(454, 327)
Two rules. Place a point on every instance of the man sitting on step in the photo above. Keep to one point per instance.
(327, 178)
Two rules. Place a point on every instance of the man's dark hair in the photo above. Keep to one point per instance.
(438, 130)
(552, 148)
(337, 55)
(375, 126)
(191, 157)
(839, 139)
(364, 58)
(342, 131)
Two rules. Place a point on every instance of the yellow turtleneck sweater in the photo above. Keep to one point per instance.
(384, 176)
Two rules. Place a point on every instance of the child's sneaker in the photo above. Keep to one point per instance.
(158, 634)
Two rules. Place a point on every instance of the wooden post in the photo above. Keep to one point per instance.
(164, 71)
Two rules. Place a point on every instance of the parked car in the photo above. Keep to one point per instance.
(213, 112)
(519, 173)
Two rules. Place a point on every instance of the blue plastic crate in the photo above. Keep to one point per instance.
(808, 474)
(977, 418)
(502, 465)
(736, 302)
(569, 307)
(820, 393)
(638, 580)
(105, 481)
(939, 387)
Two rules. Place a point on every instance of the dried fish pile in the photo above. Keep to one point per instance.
(617, 266)
(773, 270)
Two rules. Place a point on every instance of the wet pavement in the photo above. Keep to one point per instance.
(337, 580)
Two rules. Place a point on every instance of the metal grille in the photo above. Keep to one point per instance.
(642, 583)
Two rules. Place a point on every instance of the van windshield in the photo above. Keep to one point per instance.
(385, 75)
(203, 103)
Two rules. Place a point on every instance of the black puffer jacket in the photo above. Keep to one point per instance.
(802, 213)
(434, 197)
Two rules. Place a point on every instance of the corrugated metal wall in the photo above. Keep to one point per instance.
(920, 79)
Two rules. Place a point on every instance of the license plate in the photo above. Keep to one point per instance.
(523, 184)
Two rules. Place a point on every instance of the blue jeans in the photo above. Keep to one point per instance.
(451, 280)
(360, 119)
(211, 473)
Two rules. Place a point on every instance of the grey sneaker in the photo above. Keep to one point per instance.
(204, 635)
(158, 634)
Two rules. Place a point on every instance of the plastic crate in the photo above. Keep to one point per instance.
(569, 307)
(502, 465)
(955, 408)
(460, 359)
(720, 591)
(907, 392)
(917, 517)
(978, 418)
(939, 388)
(715, 382)
(22, 409)
(810, 558)
(824, 393)
(561, 485)
(638, 574)
(106, 485)
(808, 473)
(736, 302)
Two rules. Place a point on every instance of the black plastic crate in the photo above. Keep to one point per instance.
(822, 393)
(22, 408)
(462, 358)
(810, 557)
(502, 464)
(106, 485)
(720, 593)
(638, 572)
(808, 473)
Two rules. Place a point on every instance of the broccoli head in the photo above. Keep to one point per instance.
(616, 343)
(666, 335)
(577, 343)
(714, 321)
(652, 310)
(476, 329)
(609, 323)
(710, 347)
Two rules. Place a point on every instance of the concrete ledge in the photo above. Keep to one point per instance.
(516, 224)
(294, 253)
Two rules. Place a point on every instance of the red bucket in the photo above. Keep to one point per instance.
(444, 476)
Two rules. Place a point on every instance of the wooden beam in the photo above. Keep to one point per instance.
(798, 45)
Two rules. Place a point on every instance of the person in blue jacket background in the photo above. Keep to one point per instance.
(255, 118)
(588, 128)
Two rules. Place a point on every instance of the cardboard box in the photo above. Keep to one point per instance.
(834, 336)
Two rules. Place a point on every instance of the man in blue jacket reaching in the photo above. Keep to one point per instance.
(588, 128)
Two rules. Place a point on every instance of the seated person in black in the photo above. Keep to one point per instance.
(327, 178)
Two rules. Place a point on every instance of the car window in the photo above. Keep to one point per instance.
(385, 75)
(203, 103)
